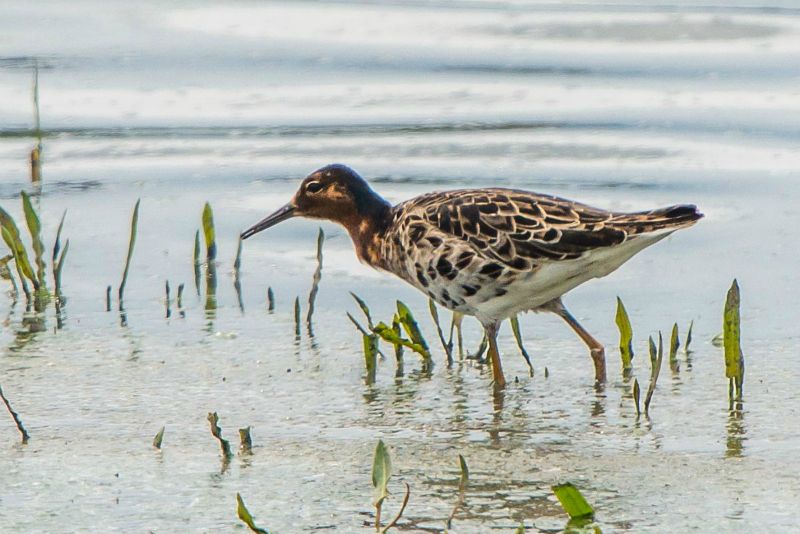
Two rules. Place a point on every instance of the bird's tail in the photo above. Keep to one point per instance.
(669, 219)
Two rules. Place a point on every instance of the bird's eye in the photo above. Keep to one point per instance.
(313, 187)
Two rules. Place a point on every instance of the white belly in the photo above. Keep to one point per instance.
(553, 279)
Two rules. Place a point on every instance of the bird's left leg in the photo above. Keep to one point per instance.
(494, 354)
(596, 348)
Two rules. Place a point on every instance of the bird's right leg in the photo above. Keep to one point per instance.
(596, 348)
(494, 354)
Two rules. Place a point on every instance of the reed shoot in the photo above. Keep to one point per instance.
(656, 358)
(15, 417)
(731, 331)
(625, 336)
(159, 438)
(312, 295)
(244, 514)
(216, 431)
(518, 336)
(131, 244)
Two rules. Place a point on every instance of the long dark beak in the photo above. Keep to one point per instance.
(286, 212)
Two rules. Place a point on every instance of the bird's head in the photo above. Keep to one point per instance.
(334, 192)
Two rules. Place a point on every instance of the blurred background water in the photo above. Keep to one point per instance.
(626, 105)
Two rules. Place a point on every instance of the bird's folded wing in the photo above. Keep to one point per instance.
(517, 228)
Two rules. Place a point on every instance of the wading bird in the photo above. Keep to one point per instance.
(490, 253)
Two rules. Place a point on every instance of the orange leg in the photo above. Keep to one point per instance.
(494, 355)
(596, 348)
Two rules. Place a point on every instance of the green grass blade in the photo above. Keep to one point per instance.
(572, 501)
(12, 238)
(636, 396)
(245, 441)
(412, 328)
(518, 336)
(464, 478)
(688, 338)
(370, 355)
(656, 369)
(244, 514)
(381, 472)
(731, 332)
(674, 345)
(209, 232)
(625, 335)
(59, 266)
(197, 261)
(131, 244)
(364, 308)
(398, 348)
(159, 438)
(312, 295)
(448, 347)
(35, 229)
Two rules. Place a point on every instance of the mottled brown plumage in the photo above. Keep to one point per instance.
(490, 253)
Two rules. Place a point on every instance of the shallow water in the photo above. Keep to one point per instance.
(626, 106)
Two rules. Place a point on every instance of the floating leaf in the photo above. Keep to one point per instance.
(518, 337)
(381, 472)
(131, 243)
(159, 438)
(572, 501)
(625, 335)
(244, 514)
(734, 358)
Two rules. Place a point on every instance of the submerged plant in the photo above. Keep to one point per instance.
(734, 358)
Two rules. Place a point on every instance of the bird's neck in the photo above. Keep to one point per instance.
(367, 226)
